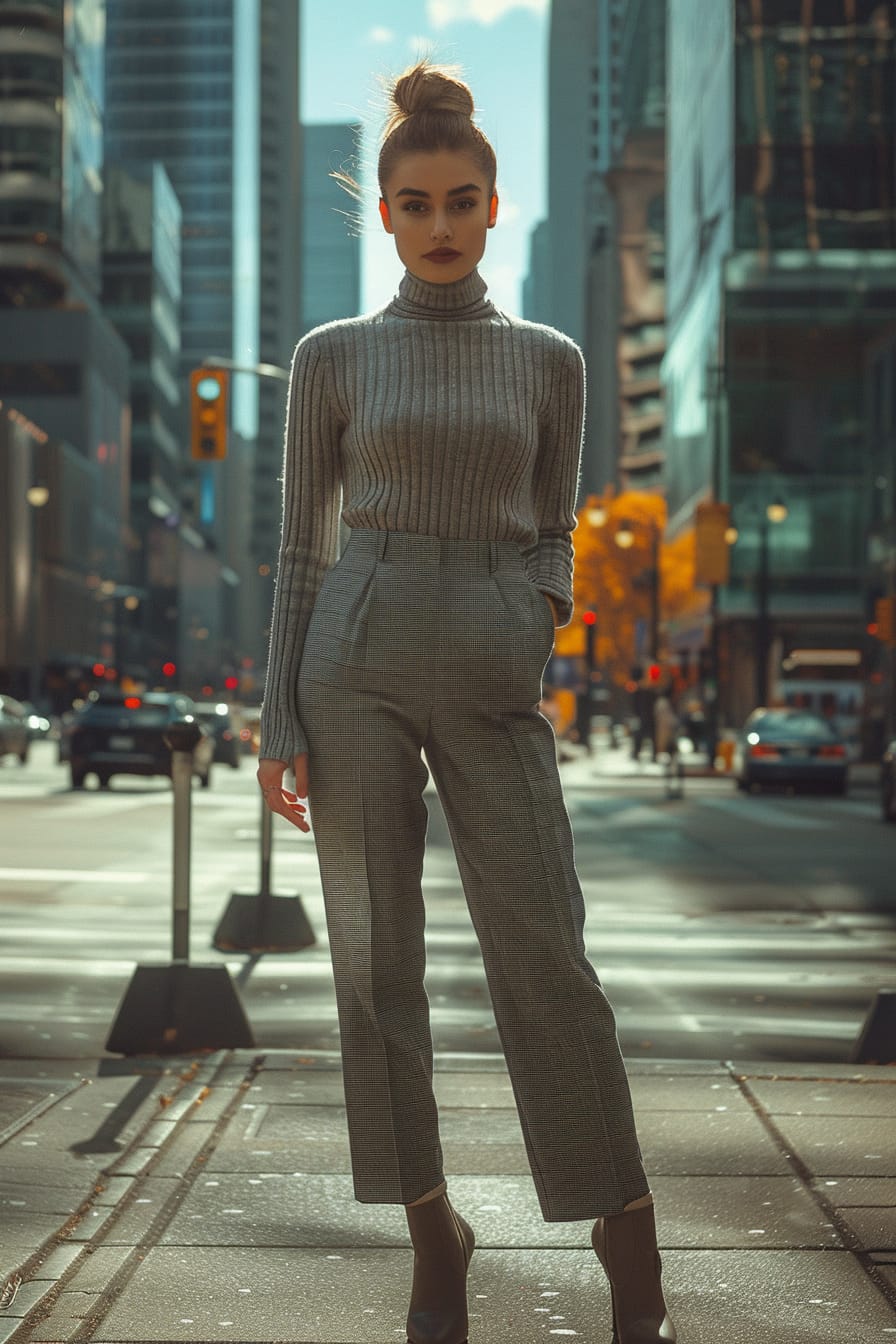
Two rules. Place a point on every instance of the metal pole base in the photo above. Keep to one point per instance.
(252, 923)
(876, 1042)
(171, 1010)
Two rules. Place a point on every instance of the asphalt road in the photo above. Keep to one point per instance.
(721, 925)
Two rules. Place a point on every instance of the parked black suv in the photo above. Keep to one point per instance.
(117, 734)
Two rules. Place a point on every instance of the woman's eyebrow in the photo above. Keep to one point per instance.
(455, 191)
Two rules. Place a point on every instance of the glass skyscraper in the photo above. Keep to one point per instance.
(210, 89)
(63, 366)
(781, 288)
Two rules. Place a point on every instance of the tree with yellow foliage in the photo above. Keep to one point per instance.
(615, 581)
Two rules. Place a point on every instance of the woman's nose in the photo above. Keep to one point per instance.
(441, 225)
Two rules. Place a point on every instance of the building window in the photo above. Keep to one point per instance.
(35, 379)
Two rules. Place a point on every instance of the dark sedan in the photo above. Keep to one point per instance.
(220, 723)
(790, 747)
(888, 783)
(124, 735)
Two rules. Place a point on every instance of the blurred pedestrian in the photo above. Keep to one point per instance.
(694, 723)
(666, 727)
(449, 435)
(641, 723)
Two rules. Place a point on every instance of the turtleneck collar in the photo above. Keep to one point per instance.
(464, 298)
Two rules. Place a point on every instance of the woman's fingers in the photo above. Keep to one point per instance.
(290, 806)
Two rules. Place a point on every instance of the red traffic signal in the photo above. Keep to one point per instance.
(169, 669)
(589, 617)
(654, 672)
(231, 683)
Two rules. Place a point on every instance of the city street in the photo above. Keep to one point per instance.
(722, 925)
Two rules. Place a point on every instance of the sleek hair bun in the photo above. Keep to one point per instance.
(432, 109)
(428, 88)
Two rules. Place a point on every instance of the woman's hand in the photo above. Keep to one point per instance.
(270, 780)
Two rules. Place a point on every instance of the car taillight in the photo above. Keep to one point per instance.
(763, 749)
(836, 750)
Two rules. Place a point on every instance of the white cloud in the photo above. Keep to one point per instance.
(381, 35)
(441, 13)
(508, 210)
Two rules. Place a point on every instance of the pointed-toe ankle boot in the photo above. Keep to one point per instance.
(443, 1244)
(625, 1244)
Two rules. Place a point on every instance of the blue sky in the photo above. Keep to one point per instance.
(501, 46)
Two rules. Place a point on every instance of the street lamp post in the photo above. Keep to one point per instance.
(776, 512)
(625, 538)
(763, 633)
(654, 591)
(37, 496)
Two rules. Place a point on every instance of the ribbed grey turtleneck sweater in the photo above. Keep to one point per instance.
(438, 414)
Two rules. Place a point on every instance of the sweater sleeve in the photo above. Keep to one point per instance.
(312, 490)
(555, 479)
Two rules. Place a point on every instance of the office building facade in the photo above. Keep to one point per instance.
(573, 281)
(209, 88)
(64, 370)
(142, 296)
(331, 245)
(782, 285)
(636, 180)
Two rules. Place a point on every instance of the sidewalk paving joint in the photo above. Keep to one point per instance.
(847, 1234)
(178, 1096)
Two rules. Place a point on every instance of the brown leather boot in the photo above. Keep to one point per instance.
(625, 1244)
(443, 1244)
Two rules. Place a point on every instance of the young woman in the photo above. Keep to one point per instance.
(448, 436)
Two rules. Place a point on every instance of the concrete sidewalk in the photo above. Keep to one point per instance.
(210, 1199)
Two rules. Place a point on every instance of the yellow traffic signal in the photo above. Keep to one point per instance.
(208, 414)
(711, 522)
(884, 619)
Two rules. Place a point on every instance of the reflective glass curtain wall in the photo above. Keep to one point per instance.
(809, 290)
(169, 90)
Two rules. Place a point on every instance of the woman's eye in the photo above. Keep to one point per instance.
(419, 207)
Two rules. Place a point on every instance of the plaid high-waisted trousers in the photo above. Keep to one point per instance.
(416, 642)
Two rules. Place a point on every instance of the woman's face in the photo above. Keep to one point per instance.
(438, 209)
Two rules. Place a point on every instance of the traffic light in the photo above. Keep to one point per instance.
(590, 621)
(884, 619)
(208, 414)
(711, 522)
